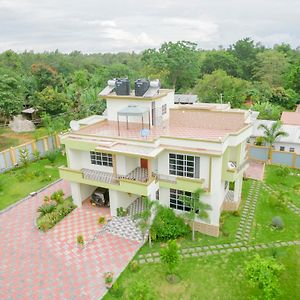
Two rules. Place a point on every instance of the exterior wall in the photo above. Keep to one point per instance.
(119, 199)
(80, 192)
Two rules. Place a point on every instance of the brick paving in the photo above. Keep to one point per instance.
(50, 265)
(255, 170)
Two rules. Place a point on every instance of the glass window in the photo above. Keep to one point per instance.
(101, 159)
(175, 200)
(281, 148)
(184, 165)
(292, 149)
(164, 109)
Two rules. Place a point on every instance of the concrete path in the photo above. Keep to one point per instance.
(50, 265)
(255, 170)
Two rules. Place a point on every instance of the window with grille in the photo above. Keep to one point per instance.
(184, 165)
(292, 149)
(281, 148)
(175, 200)
(101, 159)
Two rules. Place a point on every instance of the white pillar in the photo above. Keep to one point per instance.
(76, 193)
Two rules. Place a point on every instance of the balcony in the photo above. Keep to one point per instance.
(136, 182)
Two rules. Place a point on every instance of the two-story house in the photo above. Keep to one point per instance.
(146, 145)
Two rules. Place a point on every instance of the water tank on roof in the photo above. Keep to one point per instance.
(122, 86)
(141, 86)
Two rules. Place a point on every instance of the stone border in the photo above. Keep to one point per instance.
(29, 197)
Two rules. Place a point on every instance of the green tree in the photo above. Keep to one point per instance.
(198, 209)
(220, 60)
(264, 273)
(11, 95)
(293, 77)
(267, 110)
(169, 256)
(286, 98)
(212, 86)
(271, 67)
(179, 60)
(272, 133)
(51, 102)
(10, 60)
(245, 50)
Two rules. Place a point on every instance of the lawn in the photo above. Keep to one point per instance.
(8, 138)
(18, 183)
(214, 277)
(222, 276)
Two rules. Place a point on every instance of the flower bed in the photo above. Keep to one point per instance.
(53, 210)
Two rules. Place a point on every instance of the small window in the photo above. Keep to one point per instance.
(175, 199)
(157, 195)
(292, 149)
(101, 159)
(164, 109)
(281, 148)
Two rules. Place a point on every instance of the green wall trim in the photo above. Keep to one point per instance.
(184, 184)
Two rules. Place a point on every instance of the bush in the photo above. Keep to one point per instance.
(58, 196)
(52, 155)
(259, 141)
(24, 157)
(282, 171)
(36, 155)
(166, 225)
(139, 291)
(45, 209)
(48, 220)
(170, 256)
(121, 212)
(101, 220)
(116, 290)
(134, 266)
(277, 223)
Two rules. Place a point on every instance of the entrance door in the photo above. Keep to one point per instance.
(144, 163)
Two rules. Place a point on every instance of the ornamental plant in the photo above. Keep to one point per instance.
(80, 240)
(169, 256)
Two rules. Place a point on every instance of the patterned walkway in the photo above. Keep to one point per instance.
(50, 265)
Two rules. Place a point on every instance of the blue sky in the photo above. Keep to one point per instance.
(131, 25)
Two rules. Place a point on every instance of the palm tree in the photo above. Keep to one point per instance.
(272, 133)
(197, 208)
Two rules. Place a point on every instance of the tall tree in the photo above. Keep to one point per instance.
(11, 95)
(179, 60)
(198, 209)
(271, 67)
(219, 86)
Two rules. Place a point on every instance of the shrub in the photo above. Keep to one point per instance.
(259, 140)
(279, 200)
(121, 212)
(282, 171)
(108, 277)
(139, 291)
(80, 239)
(45, 209)
(24, 157)
(170, 256)
(277, 223)
(264, 273)
(116, 290)
(58, 196)
(52, 155)
(166, 225)
(36, 154)
(134, 266)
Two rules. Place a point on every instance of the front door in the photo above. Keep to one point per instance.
(144, 163)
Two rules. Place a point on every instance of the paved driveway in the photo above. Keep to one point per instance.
(35, 265)
(255, 170)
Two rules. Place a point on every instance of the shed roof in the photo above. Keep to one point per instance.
(133, 110)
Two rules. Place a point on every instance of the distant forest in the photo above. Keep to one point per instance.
(66, 86)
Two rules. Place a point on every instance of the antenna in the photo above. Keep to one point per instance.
(75, 126)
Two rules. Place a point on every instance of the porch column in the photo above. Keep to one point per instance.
(76, 193)
(237, 190)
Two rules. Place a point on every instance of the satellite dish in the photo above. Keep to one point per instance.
(75, 126)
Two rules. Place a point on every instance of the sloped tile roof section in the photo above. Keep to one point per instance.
(290, 118)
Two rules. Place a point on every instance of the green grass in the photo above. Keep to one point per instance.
(18, 183)
(222, 276)
(8, 138)
(214, 277)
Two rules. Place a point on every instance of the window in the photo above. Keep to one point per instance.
(292, 149)
(164, 109)
(175, 200)
(157, 195)
(281, 148)
(184, 165)
(101, 159)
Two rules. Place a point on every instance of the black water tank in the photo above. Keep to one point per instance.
(122, 86)
(141, 86)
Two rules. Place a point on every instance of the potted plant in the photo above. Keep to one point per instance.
(108, 278)
(80, 240)
(101, 220)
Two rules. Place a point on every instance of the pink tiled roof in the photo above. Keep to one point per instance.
(290, 118)
(110, 129)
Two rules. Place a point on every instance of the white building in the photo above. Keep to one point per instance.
(149, 146)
